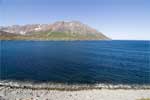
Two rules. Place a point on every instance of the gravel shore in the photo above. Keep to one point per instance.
(8, 93)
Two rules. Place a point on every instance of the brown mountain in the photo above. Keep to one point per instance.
(73, 30)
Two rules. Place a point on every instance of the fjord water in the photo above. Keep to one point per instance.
(116, 62)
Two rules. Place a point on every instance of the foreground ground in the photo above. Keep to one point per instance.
(101, 94)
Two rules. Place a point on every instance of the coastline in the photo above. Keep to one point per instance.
(70, 87)
(7, 93)
(55, 40)
(69, 40)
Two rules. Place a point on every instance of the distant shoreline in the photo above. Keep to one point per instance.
(67, 40)
(53, 40)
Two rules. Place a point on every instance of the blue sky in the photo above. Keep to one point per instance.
(118, 19)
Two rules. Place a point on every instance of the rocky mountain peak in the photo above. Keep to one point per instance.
(68, 27)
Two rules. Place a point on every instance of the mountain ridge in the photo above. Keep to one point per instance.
(61, 30)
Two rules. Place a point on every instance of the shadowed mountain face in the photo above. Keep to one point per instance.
(73, 30)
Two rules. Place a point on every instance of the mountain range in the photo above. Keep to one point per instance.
(61, 30)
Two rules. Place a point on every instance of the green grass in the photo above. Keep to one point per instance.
(144, 99)
(51, 36)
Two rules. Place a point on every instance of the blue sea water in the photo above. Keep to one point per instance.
(79, 62)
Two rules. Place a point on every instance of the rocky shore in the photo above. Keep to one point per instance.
(70, 87)
(9, 93)
(10, 90)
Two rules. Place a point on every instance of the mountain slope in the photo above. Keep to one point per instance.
(73, 30)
